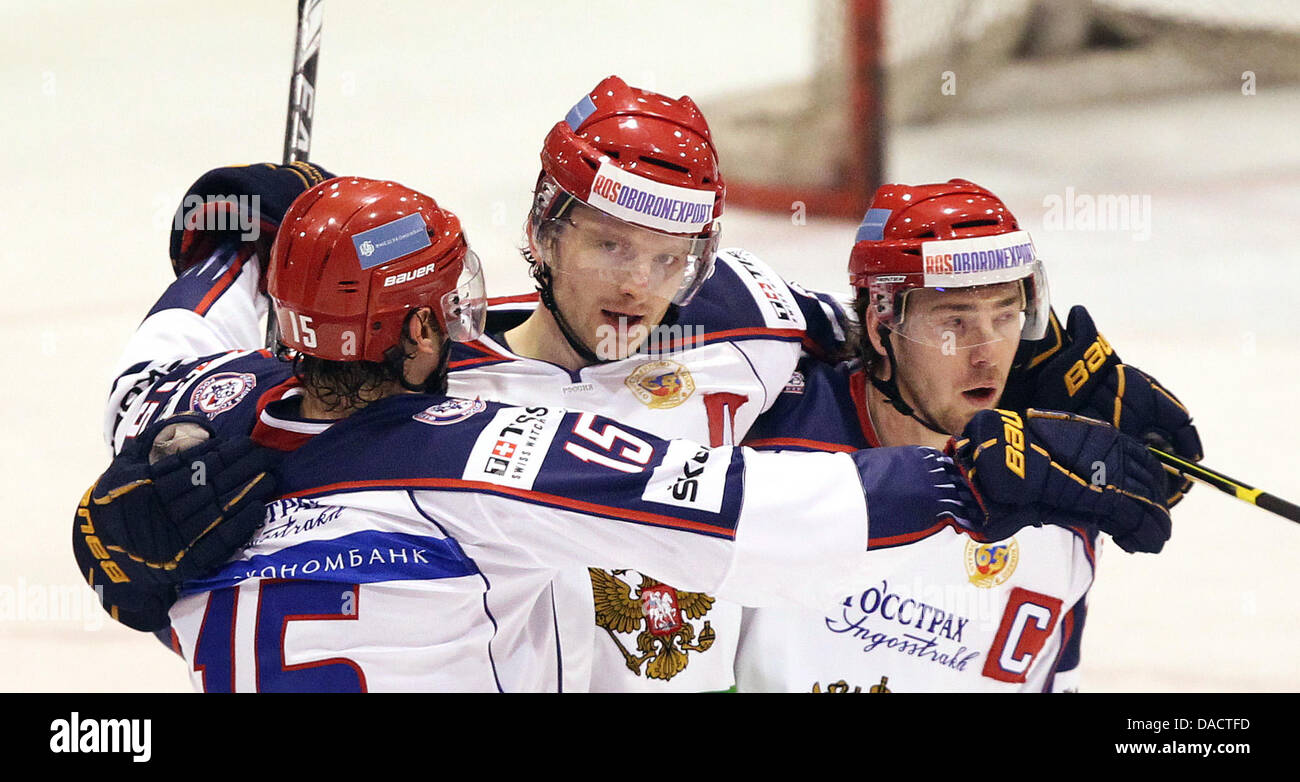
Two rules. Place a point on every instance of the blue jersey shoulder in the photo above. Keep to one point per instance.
(744, 294)
(815, 412)
(225, 387)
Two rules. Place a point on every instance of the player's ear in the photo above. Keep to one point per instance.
(872, 330)
(422, 331)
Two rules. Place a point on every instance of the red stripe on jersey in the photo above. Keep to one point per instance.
(912, 537)
(276, 393)
(858, 388)
(798, 442)
(224, 282)
(714, 336)
(1087, 545)
(489, 356)
(523, 297)
(815, 349)
(273, 437)
(1067, 630)
(278, 439)
(580, 506)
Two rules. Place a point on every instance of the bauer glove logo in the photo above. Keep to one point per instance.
(1094, 357)
(1013, 431)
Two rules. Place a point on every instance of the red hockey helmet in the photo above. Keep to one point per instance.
(944, 236)
(641, 157)
(353, 256)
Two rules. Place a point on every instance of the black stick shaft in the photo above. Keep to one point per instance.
(1223, 483)
(302, 102)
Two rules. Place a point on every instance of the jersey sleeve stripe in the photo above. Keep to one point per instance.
(540, 498)
(489, 356)
(1087, 539)
(519, 299)
(1067, 635)
(911, 537)
(755, 332)
(223, 283)
(474, 362)
(776, 443)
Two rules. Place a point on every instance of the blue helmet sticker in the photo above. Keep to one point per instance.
(391, 241)
(579, 113)
(872, 228)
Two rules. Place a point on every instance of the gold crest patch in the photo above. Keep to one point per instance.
(990, 564)
(661, 384)
(667, 638)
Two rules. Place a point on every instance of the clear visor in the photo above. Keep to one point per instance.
(958, 319)
(464, 308)
(626, 260)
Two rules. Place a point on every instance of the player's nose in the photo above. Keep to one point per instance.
(636, 277)
(983, 340)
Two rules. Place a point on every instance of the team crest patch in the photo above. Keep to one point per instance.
(796, 384)
(990, 564)
(659, 614)
(661, 384)
(217, 394)
(450, 412)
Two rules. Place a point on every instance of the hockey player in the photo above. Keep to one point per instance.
(396, 501)
(642, 319)
(950, 295)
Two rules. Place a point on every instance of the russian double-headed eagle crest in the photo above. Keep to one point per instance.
(666, 640)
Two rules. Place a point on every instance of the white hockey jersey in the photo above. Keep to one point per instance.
(237, 390)
(940, 613)
(720, 365)
(415, 542)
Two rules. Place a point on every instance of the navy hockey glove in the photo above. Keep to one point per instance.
(153, 521)
(1087, 377)
(1056, 468)
(237, 204)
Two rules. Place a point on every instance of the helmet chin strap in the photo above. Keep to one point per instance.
(546, 292)
(891, 393)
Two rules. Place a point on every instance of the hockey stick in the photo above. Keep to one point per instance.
(1228, 485)
(302, 101)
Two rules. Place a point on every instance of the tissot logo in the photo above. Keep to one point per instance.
(102, 735)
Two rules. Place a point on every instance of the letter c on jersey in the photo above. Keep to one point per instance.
(1029, 620)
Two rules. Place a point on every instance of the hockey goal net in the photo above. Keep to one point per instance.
(878, 64)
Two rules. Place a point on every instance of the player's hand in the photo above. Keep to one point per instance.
(1057, 468)
(237, 204)
(1087, 377)
(162, 518)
